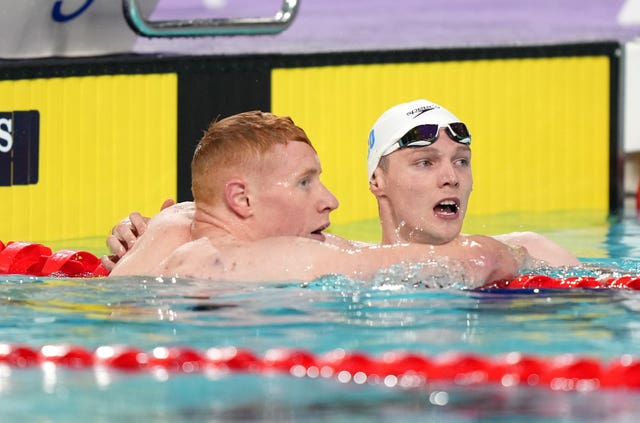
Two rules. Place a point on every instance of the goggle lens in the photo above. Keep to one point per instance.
(424, 135)
(458, 131)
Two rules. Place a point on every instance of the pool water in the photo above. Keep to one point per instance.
(393, 312)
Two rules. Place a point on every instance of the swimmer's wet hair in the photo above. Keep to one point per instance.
(238, 141)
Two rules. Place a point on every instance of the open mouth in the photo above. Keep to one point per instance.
(447, 207)
(317, 234)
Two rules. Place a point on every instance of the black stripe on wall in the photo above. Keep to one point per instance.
(204, 97)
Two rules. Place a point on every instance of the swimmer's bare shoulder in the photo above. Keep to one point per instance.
(198, 258)
(166, 231)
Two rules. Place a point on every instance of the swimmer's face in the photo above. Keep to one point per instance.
(290, 199)
(427, 191)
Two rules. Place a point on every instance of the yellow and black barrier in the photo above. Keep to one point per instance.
(85, 141)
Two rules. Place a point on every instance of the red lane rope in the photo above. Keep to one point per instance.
(566, 372)
(28, 258)
(548, 282)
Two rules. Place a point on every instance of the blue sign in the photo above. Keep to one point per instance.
(19, 147)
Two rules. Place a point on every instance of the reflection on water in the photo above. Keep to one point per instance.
(239, 397)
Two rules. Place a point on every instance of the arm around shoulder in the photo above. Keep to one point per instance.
(482, 259)
(165, 232)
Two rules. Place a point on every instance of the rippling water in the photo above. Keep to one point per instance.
(395, 311)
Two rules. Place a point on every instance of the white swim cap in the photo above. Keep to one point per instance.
(396, 122)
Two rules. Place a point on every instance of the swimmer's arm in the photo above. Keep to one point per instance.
(540, 248)
(281, 259)
(482, 258)
(344, 243)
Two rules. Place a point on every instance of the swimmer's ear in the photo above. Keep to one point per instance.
(236, 193)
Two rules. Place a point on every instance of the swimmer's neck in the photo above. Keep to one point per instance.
(218, 226)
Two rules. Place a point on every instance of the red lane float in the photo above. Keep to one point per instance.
(565, 372)
(28, 258)
(23, 258)
(547, 282)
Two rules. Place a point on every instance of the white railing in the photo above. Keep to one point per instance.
(207, 27)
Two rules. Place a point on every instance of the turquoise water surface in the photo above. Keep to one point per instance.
(393, 312)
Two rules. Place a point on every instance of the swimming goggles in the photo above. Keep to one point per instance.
(424, 135)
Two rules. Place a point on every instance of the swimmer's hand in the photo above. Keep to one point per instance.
(124, 235)
(503, 261)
